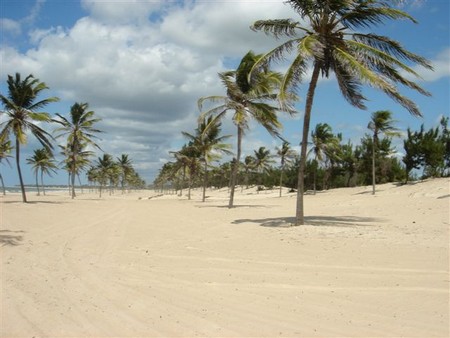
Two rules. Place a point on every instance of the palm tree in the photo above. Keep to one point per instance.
(44, 162)
(126, 168)
(209, 144)
(5, 151)
(80, 132)
(104, 167)
(74, 164)
(249, 98)
(263, 160)
(324, 146)
(286, 155)
(22, 115)
(249, 164)
(329, 41)
(380, 123)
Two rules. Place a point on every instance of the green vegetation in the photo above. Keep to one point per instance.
(20, 109)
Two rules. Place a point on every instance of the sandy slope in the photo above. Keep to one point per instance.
(129, 266)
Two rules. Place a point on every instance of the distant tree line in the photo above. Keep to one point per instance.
(331, 162)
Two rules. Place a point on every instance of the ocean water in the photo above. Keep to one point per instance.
(29, 188)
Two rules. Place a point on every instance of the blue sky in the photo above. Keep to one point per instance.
(142, 65)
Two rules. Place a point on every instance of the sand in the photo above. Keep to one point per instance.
(130, 266)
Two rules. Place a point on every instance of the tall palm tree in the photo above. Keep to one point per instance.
(286, 155)
(5, 151)
(263, 160)
(325, 145)
(209, 144)
(79, 129)
(104, 168)
(126, 168)
(74, 164)
(380, 123)
(249, 164)
(21, 109)
(42, 161)
(248, 98)
(328, 39)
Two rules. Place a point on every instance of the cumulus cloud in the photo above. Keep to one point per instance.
(10, 26)
(142, 65)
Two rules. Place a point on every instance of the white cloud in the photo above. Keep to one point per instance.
(441, 65)
(10, 26)
(143, 64)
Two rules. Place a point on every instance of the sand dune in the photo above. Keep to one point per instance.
(130, 266)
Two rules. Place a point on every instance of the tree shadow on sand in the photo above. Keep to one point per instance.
(236, 206)
(33, 202)
(12, 240)
(331, 221)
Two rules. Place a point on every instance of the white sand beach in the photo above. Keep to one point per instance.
(130, 266)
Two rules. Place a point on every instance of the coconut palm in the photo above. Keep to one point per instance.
(249, 164)
(328, 39)
(188, 160)
(248, 98)
(42, 161)
(286, 155)
(22, 116)
(263, 161)
(74, 164)
(125, 168)
(80, 132)
(104, 167)
(209, 144)
(325, 145)
(5, 151)
(380, 123)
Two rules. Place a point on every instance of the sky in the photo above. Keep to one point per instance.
(142, 65)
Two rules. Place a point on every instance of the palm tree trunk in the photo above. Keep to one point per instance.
(3, 184)
(235, 166)
(37, 182)
(373, 165)
(22, 187)
(281, 179)
(299, 216)
(315, 179)
(42, 182)
(72, 176)
(205, 180)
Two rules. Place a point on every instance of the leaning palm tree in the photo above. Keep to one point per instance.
(248, 165)
(248, 98)
(380, 123)
(74, 164)
(263, 160)
(104, 167)
(21, 109)
(42, 161)
(325, 145)
(286, 155)
(328, 39)
(125, 168)
(79, 130)
(208, 142)
(5, 151)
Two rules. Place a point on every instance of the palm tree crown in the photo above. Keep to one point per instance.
(329, 41)
(22, 115)
(380, 123)
(80, 132)
(249, 97)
